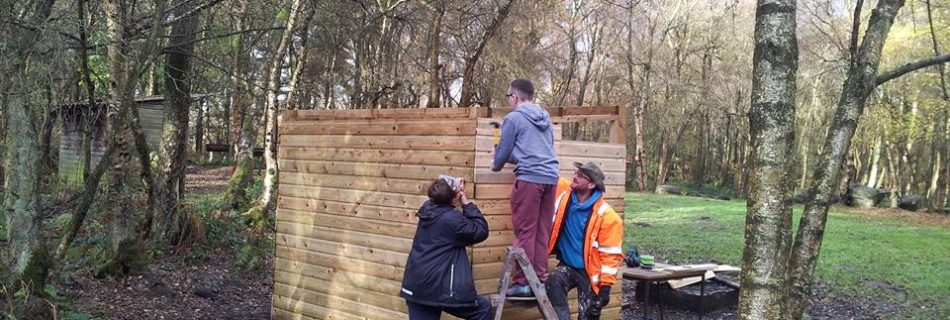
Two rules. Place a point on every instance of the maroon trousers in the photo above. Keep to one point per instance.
(532, 216)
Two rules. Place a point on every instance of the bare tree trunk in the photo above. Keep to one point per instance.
(201, 121)
(27, 260)
(595, 40)
(639, 105)
(861, 80)
(47, 165)
(565, 86)
(875, 160)
(468, 75)
(268, 199)
(661, 174)
(435, 41)
(771, 125)
(244, 166)
(936, 47)
(239, 94)
(178, 74)
(124, 70)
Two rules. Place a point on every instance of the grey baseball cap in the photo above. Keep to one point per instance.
(593, 172)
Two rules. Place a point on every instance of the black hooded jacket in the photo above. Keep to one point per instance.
(438, 272)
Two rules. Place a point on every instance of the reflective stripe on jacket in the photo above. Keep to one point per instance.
(602, 239)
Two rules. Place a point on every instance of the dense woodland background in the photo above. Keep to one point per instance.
(227, 69)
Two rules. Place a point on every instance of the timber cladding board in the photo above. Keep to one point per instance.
(351, 183)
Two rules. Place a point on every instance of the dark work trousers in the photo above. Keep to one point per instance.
(424, 312)
(562, 280)
(532, 215)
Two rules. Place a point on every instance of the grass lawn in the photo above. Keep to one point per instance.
(872, 256)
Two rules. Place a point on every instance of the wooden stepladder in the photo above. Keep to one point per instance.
(540, 295)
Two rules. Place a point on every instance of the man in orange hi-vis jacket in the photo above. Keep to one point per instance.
(586, 238)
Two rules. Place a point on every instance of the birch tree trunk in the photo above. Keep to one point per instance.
(861, 80)
(268, 199)
(771, 126)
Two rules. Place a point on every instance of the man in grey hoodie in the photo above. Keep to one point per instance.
(527, 140)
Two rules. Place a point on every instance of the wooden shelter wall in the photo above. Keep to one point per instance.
(346, 209)
(350, 184)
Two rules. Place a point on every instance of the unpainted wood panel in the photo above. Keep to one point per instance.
(336, 302)
(405, 113)
(393, 200)
(370, 227)
(439, 128)
(294, 274)
(343, 249)
(418, 142)
(397, 171)
(296, 258)
(389, 156)
(389, 301)
(345, 233)
(365, 183)
(346, 208)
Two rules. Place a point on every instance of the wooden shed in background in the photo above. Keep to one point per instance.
(74, 115)
(352, 180)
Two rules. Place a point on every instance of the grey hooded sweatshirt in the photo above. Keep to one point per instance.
(527, 140)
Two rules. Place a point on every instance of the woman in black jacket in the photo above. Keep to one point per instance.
(438, 275)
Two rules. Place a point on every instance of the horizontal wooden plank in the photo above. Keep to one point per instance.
(352, 251)
(430, 157)
(592, 149)
(296, 309)
(337, 299)
(364, 183)
(373, 213)
(371, 228)
(347, 209)
(322, 309)
(329, 262)
(384, 235)
(435, 128)
(503, 191)
(405, 113)
(388, 170)
(502, 207)
(485, 128)
(483, 160)
(484, 175)
(389, 301)
(418, 142)
(281, 314)
(290, 273)
(386, 199)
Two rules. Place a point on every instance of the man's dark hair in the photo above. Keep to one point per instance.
(524, 87)
(441, 193)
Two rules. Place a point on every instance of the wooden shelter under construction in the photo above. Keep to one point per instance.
(351, 182)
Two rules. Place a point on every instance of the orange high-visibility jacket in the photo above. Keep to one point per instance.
(602, 240)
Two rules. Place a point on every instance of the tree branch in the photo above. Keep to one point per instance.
(904, 69)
